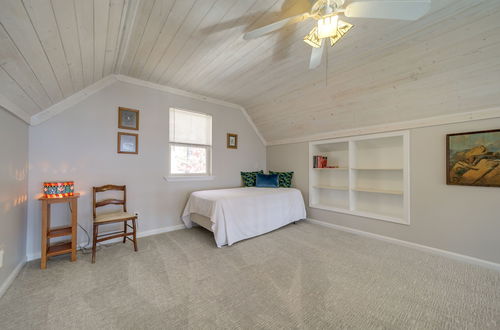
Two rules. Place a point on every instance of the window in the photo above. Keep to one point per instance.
(190, 139)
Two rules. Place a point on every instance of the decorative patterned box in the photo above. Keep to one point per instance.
(58, 189)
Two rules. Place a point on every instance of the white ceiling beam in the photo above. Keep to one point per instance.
(129, 22)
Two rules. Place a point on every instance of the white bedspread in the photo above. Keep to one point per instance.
(241, 213)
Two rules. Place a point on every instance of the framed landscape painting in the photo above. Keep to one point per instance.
(473, 158)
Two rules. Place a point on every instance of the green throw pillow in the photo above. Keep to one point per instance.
(284, 178)
(250, 178)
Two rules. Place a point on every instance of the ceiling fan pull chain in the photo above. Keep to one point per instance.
(326, 73)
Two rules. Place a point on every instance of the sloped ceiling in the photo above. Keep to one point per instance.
(381, 71)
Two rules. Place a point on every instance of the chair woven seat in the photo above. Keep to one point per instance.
(114, 216)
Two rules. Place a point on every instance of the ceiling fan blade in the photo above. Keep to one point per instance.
(275, 26)
(403, 10)
(316, 55)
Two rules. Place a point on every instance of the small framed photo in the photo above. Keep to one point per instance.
(128, 118)
(128, 143)
(232, 141)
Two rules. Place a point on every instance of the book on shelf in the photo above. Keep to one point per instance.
(320, 161)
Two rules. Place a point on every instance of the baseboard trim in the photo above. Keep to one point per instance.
(8, 282)
(160, 230)
(145, 233)
(425, 248)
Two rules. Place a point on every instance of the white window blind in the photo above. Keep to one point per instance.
(190, 137)
(190, 127)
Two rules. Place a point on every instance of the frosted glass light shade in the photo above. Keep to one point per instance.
(327, 26)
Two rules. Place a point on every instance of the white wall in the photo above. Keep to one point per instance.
(13, 193)
(80, 145)
(464, 220)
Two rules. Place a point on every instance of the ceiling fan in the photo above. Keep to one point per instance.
(330, 28)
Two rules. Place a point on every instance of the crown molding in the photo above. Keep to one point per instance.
(250, 121)
(176, 91)
(71, 100)
(14, 109)
(105, 82)
(489, 113)
(195, 96)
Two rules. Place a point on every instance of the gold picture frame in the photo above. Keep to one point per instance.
(128, 143)
(128, 118)
(232, 141)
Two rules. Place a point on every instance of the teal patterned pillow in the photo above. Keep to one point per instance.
(250, 178)
(284, 178)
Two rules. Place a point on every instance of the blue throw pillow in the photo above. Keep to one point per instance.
(249, 178)
(267, 180)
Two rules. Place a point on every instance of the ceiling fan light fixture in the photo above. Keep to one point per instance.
(312, 38)
(342, 29)
(327, 26)
(330, 29)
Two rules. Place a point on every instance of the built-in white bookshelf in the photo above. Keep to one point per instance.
(370, 177)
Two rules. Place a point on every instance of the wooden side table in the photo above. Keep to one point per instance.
(48, 232)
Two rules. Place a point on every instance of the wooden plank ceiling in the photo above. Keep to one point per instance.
(381, 71)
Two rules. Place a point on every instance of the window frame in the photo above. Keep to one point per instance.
(208, 147)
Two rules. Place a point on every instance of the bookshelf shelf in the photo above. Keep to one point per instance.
(378, 169)
(380, 191)
(330, 208)
(371, 178)
(332, 187)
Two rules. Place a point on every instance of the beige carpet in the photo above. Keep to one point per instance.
(301, 276)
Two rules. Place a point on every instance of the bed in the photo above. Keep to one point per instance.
(239, 213)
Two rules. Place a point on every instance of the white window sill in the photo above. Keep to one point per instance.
(189, 178)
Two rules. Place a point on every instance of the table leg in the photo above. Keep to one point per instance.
(49, 216)
(45, 215)
(74, 227)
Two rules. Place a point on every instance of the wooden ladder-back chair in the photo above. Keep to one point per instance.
(113, 217)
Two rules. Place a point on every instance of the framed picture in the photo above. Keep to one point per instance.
(232, 141)
(473, 158)
(128, 143)
(128, 118)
